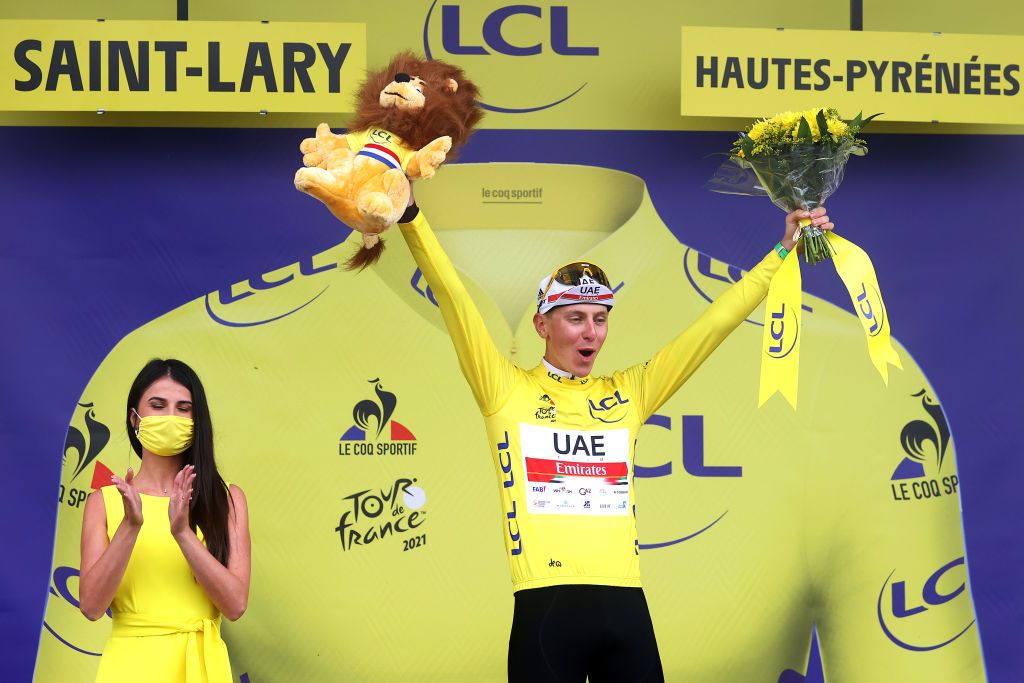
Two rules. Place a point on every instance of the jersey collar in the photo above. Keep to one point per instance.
(563, 374)
(554, 376)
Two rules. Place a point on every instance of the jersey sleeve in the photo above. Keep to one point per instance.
(490, 374)
(355, 140)
(656, 380)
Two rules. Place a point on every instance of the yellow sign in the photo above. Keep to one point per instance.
(193, 66)
(921, 77)
(555, 65)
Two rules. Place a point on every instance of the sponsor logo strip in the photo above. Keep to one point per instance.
(539, 469)
(575, 472)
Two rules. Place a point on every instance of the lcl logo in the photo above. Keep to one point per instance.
(692, 451)
(65, 623)
(225, 307)
(908, 601)
(494, 37)
(874, 315)
(548, 27)
(508, 480)
(602, 409)
(693, 463)
(783, 330)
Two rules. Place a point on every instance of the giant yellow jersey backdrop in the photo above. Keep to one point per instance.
(378, 535)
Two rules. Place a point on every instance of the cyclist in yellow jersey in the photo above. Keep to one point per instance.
(562, 443)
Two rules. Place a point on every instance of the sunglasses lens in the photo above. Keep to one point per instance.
(572, 274)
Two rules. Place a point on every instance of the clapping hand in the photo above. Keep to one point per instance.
(130, 497)
(181, 496)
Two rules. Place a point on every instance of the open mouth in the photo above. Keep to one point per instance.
(586, 353)
(395, 94)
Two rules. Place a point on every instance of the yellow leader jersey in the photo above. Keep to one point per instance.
(382, 145)
(754, 525)
(563, 447)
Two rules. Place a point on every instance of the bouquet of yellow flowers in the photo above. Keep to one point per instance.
(797, 159)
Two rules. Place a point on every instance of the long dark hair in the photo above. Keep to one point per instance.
(210, 500)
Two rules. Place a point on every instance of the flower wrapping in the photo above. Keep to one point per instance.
(797, 159)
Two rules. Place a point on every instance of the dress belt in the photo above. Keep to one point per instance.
(215, 664)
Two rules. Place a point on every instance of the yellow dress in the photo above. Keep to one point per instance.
(165, 629)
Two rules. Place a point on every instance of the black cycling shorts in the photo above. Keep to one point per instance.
(566, 634)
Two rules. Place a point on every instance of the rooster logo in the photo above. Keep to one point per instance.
(923, 440)
(371, 422)
(85, 447)
(380, 412)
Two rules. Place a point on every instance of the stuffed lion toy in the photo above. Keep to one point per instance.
(411, 116)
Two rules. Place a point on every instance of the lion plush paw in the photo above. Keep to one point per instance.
(324, 148)
(376, 209)
(382, 203)
(316, 182)
(429, 158)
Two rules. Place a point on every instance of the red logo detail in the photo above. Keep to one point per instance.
(543, 470)
(101, 475)
(400, 433)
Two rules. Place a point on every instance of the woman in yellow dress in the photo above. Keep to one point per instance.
(167, 549)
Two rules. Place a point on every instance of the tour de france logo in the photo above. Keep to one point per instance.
(374, 515)
(373, 431)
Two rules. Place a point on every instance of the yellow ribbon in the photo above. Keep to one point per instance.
(211, 667)
(780, 346)
(780, 342)
(855, 269)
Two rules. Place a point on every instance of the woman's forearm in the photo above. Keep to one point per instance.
(226, 591)
(98, 583)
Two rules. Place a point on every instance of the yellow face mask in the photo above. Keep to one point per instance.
(165, 435)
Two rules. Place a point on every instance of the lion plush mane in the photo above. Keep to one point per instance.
(452, 114)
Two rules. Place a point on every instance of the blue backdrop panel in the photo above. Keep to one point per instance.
(105, 229)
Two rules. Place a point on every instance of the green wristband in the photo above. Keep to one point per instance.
(783, 252)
